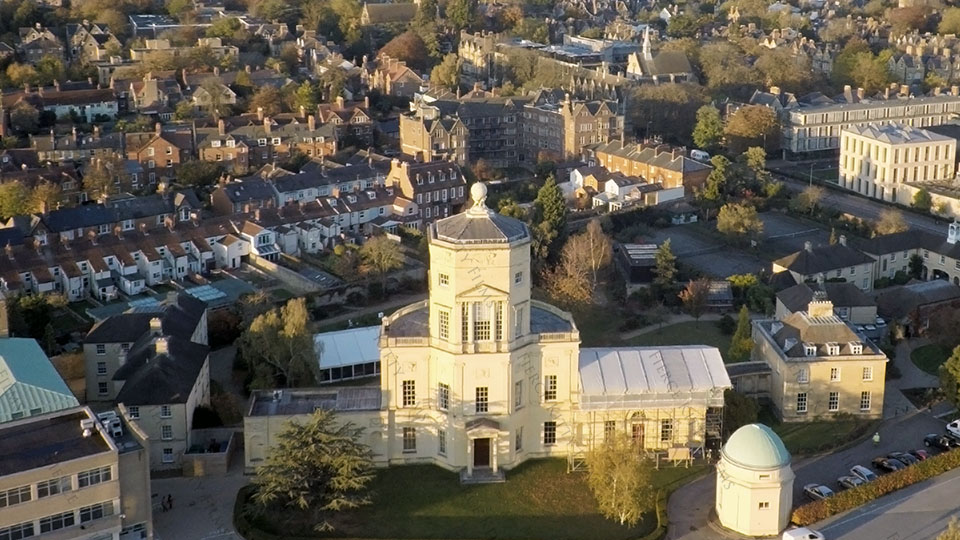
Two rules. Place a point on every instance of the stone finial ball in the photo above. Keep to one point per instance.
(478, 192)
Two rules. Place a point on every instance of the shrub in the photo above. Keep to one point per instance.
(852, 498)
(727, 325)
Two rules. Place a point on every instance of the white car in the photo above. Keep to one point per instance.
(803, 533)
(953, 428)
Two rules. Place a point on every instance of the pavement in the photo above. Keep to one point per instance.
(202, 507)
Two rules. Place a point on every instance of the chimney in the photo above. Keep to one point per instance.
(266, 124)
(247, 68)
(40, 90)
(56, 84)
(937, 90)
(256, 214)
(96, 132)
(311, 122)
(216, 70)
(221, 127)
(955, 90)
(775, 90)
(860, 94)
(303, 111)
(820, 306)
(339, 103)
(842, 240)
(4, 323)
(160, 344)
(366, 102)
(904, 90)
(26, 88)
(158, 127)
(808, 246)
(260, 114)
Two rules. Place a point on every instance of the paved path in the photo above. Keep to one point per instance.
(355, 312)
(911, 375)
(674, 319)
(202, 507)
(918, 512)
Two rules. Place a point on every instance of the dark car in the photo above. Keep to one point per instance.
(886, 464)
(817, 491)
(935, 440)
(850, 482)
(920, 454)
(904, 458)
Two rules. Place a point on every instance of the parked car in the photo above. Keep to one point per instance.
(886, 464)
(803, 533)
(904, 458)
(817, 491)
(863, 473)
(953, 429)
(935, 440)
(850, 482)
(922, 455)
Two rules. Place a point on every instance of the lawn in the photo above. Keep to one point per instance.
(597, 327)
(930, 357)
(539, 500)
(817, 436)
(281, 295)
(685, 333)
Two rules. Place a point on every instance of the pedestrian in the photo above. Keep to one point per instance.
(170, 501)
(163, 504)
(876, 438)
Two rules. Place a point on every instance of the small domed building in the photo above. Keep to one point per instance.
(754, 482)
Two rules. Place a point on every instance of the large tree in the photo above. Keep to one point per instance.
(620, 478)
(665, 266)
(408, 47)
(950, 377)
(741, 344)
(446, 74)
(592, 248)
(573, 280)
(809, 199)
(318, 466)
(24, 118)
(461, 13)
(753, 125)
(380, 256)
(739, 221)
(708, 132)
(550, 220)
(890, 222)
(14, 199)
(950, 21)
(922, 200)
(266, 98)
(738, 411)
(278, 347)
(694, 297)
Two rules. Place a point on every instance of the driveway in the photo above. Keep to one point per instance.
(202, 507)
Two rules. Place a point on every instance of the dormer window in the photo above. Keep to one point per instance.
(856, 348)
(833, 349)
(262, 142)
(809, 349)
(215, 144)
(231, 143)
(276, 140)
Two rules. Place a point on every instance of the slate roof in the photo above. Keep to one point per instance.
(798, 328)
(823, 259)
(178, 319)
(479, 225)
(896, 133)
(798, 297)
(248, 189)
(899, 301)
(390, 13)
(156, 378)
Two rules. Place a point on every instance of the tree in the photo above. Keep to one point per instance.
(461, 13)
(44, 196)
(952, 531)
(49, 69)
(890, 222)
(318, 466)
(950, 377)
(332, 82)
(408, 47)
(198, 173)
(24, 118)
(681, 26)
(98, 181)
(756, 159)
(739, 221)
(809, 199)
(753, 125)
(950, 21)
(738, 411)
(446, 74)
(694, 297)
(620, 478)
(711, 195)
(915, 266)
(741, 344)
(183, 110)
(534, 29)
(922, 200)
(14, 199)
(667, 109)
(665, 266)
(266, 98)
(568, 282)
(906, 19)
(592, 249)
(380, 255)
(708, 133)
(21, 74)
(550, 231)
(278, 347)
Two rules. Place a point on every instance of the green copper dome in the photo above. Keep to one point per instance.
(756, 446)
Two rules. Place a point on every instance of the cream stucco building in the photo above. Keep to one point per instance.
(891, 162)
(480, 377)
(754, 482)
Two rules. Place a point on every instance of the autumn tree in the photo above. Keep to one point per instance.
(922, 200)
(408, 47)
(317, 466)
(739, 221)
(593, 249)
(741, 344)
(665, 266)
(809, 199)
(268, 99)
(694, 297)
(708, 132)
(24, 118)
(621, 479)
(45, 195)
(22, 74)
(446, 74)
(14, 199)
(755, 159)
(380, 256)
(461, 13)
(568, 282)
(890, 221)
(278, 347)
(98, 181)
(753, 125)
(950, 21)
(906, 19)
(950, 377)
(711, 195)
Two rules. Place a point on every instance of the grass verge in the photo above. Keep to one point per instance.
(930, 357)
(685, 333)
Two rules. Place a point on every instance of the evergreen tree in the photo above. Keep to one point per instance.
(665, 266)
(550, 230)
(741, 344)
(49, 341)
(708, 132)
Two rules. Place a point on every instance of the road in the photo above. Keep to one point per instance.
(919, 512)
(863, 207)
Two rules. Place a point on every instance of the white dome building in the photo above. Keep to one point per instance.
(754, 482)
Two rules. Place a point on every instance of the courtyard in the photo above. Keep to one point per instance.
(539, 500)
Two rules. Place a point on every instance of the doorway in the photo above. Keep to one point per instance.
(481, 452)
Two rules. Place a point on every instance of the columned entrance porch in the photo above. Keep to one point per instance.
(483, 436)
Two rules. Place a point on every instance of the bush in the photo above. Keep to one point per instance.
(846, 500)
(893, 372)
(205, 417)
(727, 325)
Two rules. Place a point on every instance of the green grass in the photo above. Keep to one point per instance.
(538, 500)
(685, 333)
(930, 357)
(817, 436)
(597, 327)
(81, 307)
(281, 295)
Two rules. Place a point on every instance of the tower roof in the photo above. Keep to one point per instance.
(479, 224)
(756, 446)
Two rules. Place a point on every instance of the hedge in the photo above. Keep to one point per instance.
(813, 512)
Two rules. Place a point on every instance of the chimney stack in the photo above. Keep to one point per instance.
(808, 246)
(339, 103)
(266, 124)
(311, 122)
(260, 114)
(158, 127)
(156, 326)
(366, 102)
(842, 240)
(221, 127)
(160, 344)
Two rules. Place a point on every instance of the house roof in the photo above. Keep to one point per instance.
(155, 377)
(808, 262)
(896, 133)
(799, 328)
(798, 297)
(390, 13)
(248, 189)
(179, 319)
(479, 224)
(901, 300)
(33, 385)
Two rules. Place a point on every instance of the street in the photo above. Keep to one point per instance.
(919, 512)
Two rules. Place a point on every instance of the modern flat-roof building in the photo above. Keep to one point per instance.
(891, 162)
(65, 476)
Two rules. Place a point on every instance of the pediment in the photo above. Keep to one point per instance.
(482, 291)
